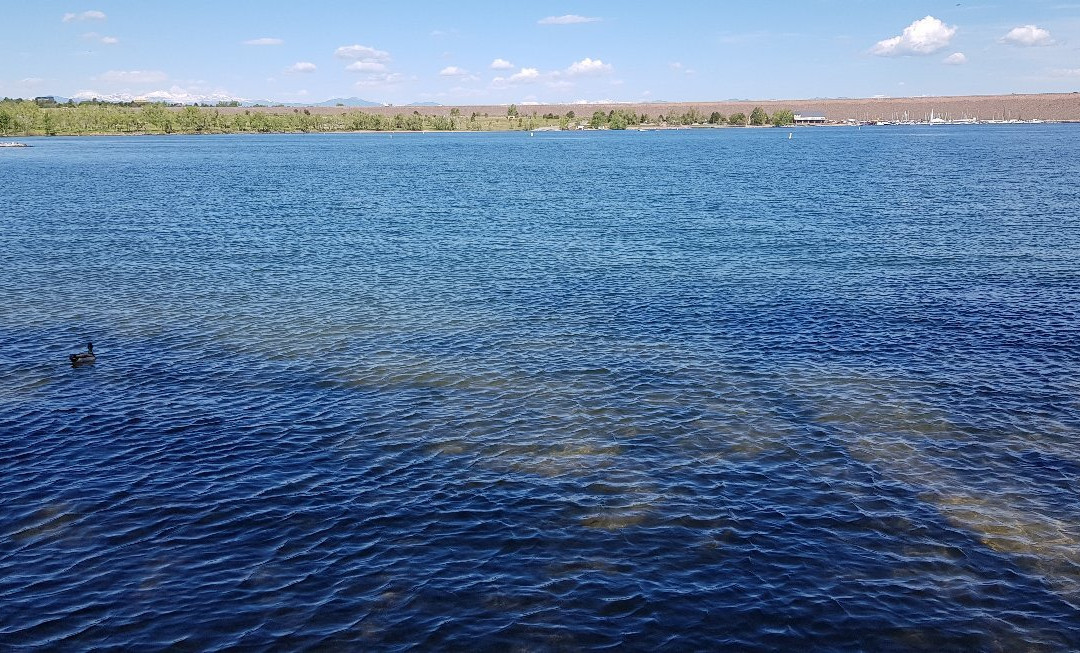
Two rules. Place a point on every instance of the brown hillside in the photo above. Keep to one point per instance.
(1044, 106)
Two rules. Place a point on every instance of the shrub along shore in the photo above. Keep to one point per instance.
(42, 118)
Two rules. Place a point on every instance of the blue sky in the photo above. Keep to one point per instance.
(502, 52)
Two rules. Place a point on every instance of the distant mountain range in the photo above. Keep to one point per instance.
(348, 102)
(333, 102)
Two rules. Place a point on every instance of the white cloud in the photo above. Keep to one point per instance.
(501, 64)
(955, 59)
(366, 67)
(1028, 35)
(589, 66)
(30, 81)
(924, 36)
(361, 53)
(555, 79)
(86, 15)
(133, 76)
(466, 91)
(743, 38)
(264, 41)
(568, 19)
(380, 79)
(453, 71)
(1066, 72)
(371, 62)
(301, 67)
(107, 40)
(525, 75)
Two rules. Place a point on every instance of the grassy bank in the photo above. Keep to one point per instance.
(28, 118)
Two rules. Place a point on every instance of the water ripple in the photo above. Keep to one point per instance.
(641, 393)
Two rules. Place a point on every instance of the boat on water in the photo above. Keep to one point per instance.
(13, 144)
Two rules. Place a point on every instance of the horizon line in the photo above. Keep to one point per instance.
(148, 99)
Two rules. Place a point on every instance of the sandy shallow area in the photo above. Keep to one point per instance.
(1043, 106)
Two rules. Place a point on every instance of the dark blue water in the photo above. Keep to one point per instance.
(681, 390)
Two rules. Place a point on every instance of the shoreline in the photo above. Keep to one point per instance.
(1044, 106)
(635, 128)
(26, 118)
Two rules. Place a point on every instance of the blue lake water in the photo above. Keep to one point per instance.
(663, 390)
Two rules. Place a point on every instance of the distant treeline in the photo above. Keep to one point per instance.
(27, 117)
(23, 117)
(620, 119)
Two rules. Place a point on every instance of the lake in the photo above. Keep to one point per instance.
(693, 389)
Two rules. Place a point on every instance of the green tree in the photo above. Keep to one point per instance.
(782, 117)
(512, 112)
(260, 122)
(308, 122)
(621, 119)
(737, 119)
(440, 123)
(717, 118)
(48, 125)
(7, 122)
(154, 116)
(691, 117)
(758, 116)
(189, 120)
(599, 119)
